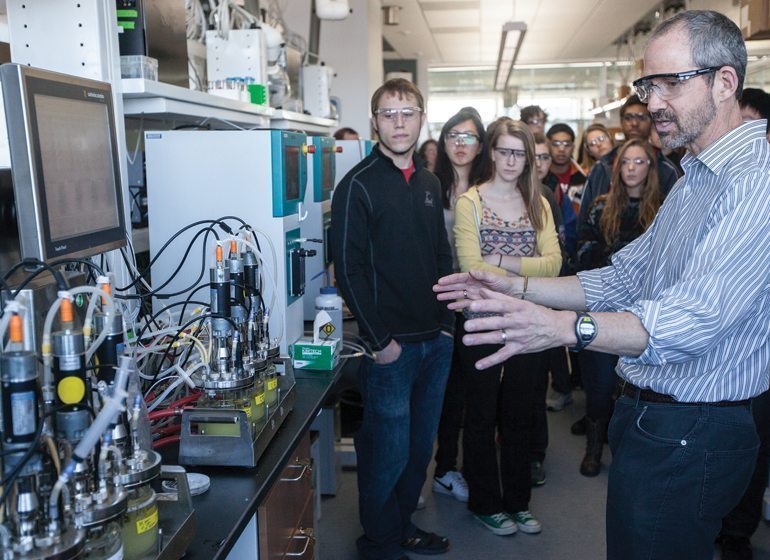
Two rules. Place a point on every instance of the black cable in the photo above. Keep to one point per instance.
(86, 262)
(44, 267)
(219, 221)
(155, 291)
(179, 333)
(155, 316)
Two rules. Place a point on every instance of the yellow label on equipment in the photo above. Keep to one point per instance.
(259, 399)
(146, 523)
(272, 384)
(247, 409)
(328, 329)
(71, 390)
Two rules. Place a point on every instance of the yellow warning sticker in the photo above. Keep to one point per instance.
(272, 384)
(146, 523)
(247, 409)
(259, 399)
(328, 329)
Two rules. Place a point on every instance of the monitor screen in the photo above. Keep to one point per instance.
(291, 171)
(78, 175)
(65, 163)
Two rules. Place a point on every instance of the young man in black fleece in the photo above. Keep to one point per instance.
(390, 247)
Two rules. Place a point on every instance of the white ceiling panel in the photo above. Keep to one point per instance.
(452, 18)
(467, 32)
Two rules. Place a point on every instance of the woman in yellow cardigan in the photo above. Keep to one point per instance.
(504, 225)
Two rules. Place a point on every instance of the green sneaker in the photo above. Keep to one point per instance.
(526, 522)
(498, 523)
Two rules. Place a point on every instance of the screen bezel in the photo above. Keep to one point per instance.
(20, 85)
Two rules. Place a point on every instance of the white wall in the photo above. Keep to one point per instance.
(353, 47)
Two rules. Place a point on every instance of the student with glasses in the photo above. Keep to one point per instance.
(635, 121)
(596, 143)
(535, 118)
(565, 179)
(460, 164)
(614, 220)
(504, 226)
(390, 246)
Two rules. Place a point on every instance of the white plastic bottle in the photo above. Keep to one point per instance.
(330, 302)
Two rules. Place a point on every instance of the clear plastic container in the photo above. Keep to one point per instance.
(140, 528)
(138, 66)
(232, 399)
(271, 385)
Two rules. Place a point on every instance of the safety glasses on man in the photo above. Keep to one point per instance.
(667, 85)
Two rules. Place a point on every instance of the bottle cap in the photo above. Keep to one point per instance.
(329, 290)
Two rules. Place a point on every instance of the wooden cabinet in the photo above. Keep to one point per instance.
(285, 518)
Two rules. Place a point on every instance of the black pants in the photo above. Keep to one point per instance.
(452, 410)
(743, 520)
(599, 382)
(501, 396)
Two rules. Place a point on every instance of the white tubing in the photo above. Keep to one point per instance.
(170, 389)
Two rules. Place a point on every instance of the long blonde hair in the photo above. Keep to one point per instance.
(616, 200)
(528, 183)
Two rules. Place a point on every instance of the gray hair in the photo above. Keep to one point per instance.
(715, 40)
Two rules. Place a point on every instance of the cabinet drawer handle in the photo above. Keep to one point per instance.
(304, 468)
(308, 540)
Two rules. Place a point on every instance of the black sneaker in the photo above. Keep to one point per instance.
(423, 542)
(537, 471)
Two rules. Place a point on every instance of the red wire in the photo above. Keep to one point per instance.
(166, 413)
(165, 441)
(168, 430)
(186, 400)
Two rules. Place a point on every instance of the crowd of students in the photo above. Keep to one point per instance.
(514, 202)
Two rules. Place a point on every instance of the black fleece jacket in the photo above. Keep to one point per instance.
(390, 247)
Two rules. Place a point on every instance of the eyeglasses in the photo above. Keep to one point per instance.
(635, 161)
(390, 115)
(462, 138)
(641, 117)
(506, 153)
(598, 140)
(543, 157)
(535, 122)
(668, 85)
(562, 143)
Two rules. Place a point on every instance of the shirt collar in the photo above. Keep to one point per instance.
(722, 151)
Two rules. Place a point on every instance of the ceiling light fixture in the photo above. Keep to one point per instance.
(510, 44)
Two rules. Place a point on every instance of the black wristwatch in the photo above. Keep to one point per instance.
(585, 331)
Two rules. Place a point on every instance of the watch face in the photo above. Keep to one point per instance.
(587, 327)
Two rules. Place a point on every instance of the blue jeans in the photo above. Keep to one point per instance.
(676, 471)
(402, 406)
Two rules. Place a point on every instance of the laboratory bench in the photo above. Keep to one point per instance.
(230, 521)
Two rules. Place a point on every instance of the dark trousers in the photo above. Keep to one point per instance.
(402, 404)
(743, 520)
(452, 411)
(599, 382)
(556, 362)
(676, 471)
(501, 397)
(539, 439)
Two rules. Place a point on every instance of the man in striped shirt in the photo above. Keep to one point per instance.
(686, 306)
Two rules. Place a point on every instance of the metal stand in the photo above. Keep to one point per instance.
(243, 449)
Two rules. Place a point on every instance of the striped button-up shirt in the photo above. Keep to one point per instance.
(699, 278)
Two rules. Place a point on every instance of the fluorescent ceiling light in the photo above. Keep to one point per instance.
(510, 44)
